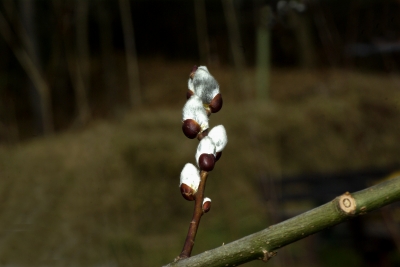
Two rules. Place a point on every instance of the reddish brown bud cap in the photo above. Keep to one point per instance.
(187, 192)
(206, 206)
(206, 162)
(191, 128)
(216, 103)
(189, 93)
(218, 155)
(193, 71)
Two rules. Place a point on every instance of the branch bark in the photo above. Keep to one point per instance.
(262, 245)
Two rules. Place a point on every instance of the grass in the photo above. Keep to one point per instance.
(109, 196)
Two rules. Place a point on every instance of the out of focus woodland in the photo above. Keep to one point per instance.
(91, 146)
(65, 63)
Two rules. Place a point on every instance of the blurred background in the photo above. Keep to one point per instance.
(91, 146)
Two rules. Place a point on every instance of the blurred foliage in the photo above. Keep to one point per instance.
(108, 195)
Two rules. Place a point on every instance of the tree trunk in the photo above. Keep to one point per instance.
(26, 54)
(236, 46)
(201, 29)
(108, 62)
(82, 62)
(130, 53)
(263, 59)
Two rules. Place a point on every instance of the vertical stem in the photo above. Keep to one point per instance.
(263, 54)
(26, 59)
(82, 62)
(107, 58)
(302, 30)
(197, 213)
(236, 45)
(130, 52)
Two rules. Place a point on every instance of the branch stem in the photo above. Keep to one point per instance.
(262, 245)
(197, 213)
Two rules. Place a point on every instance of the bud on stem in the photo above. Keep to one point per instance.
(191, 128)
(194, 117)
(216, 103)
(206, 162)
(206, 205)
(205, 154)
(219, 137)
(190, 180)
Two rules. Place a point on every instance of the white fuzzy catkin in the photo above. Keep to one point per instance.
(206, 146)
(219, 137)
(206, 199)
(204, 85)
(194, 109)
(190, 176)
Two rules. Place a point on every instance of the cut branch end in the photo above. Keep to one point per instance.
(347, 203)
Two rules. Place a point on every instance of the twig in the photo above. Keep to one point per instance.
(197, 213)
(262, 245)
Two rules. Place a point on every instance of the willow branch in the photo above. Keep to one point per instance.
(197, 213)
(262, 245)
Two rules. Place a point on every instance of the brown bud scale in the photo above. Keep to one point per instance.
(193, 72)
(191, 128)
(187, 192)
(218, 156)
(216, 103)
(206, 162)
(189, 93)
(207, 206)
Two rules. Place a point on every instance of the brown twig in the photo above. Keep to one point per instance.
(197, 213)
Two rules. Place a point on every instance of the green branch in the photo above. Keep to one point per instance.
(262, 245)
